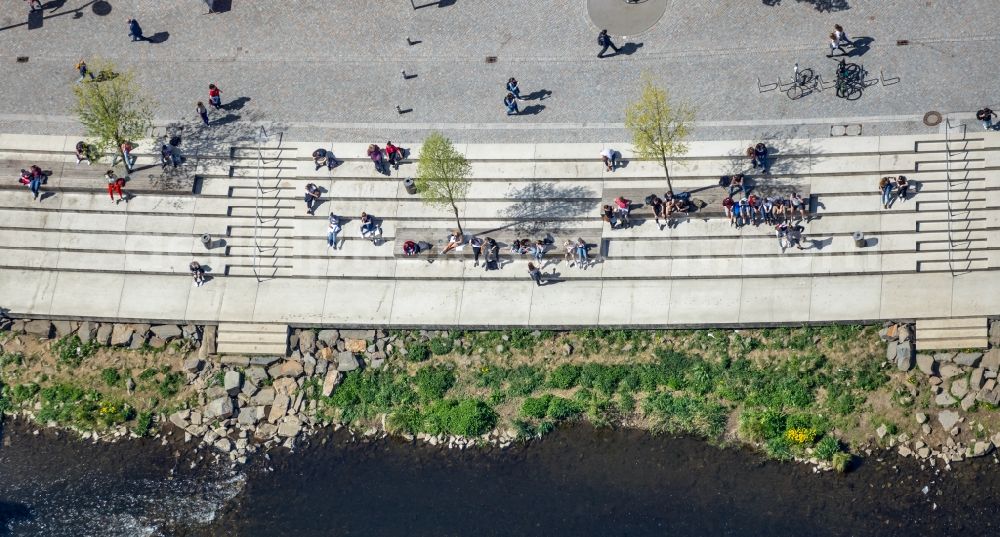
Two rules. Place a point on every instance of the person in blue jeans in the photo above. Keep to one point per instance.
(885, 187)
(986, 116)
(332, 231)
(581, 253)
(538, 252)
(513, 89)
(511, 103)
(35, 183)
(604, 40)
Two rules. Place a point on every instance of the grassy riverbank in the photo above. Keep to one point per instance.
(791, 392)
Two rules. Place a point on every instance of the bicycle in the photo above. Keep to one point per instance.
(802, 80)
(848, 75)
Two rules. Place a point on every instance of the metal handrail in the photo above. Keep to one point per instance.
(947, 165)
(262, 139)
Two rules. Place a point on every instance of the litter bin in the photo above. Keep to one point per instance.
(859, 239)
(411, 187)
(206, 241)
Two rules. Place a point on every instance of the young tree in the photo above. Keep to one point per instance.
(112, 108)
(442, 175)
(658, 127)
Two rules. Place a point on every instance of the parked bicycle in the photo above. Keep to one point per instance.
(803, 82)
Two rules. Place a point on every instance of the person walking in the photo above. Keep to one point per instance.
(513, 89)
(986, 116)
(511, 104)
(115, 184)
(332, 230)
(214, 96)
(477, 249)
(82, 152)
(835, 44)
(135, 31)
(535, 273)
(841, 36)
(126, 148)
(202, 112)
(311, 198)
(81, 67)
(34, 5)
(604, 40)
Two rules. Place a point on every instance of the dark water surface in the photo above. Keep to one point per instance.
(577, 481)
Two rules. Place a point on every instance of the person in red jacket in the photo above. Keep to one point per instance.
(214, 96)
(394, 153)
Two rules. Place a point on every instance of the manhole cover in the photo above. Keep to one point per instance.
(22, 59)
(491, 59)
(932, 118)
(621, 18)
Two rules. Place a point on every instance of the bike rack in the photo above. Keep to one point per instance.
(785, 87)
(761, 88)
(823, 85)
(888, 81)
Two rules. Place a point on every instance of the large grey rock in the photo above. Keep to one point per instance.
(948, 419)
(991, 360)
(981, 448)
(890, 350)
(989, 396)
(121, 335)
(944, 357)
(192, 364)
(945, 399)
(64, 328)
(960, 387)
(257, 374)
(329, 337)
(166, 332)
(950, 370)
(232, 382)
(322, 366)
(976, 379)
(264, 397)
(264, 361)
(367, 335)
(181, 418)
(995, 333)
(265, 431)
(307, 341)
(285, 385)
(279, 408)
(221, 407)
(208, 341)
(138, 339)
(968, 401)
(330, 382)
(224, 445)
(904, 333)
(87, 331)
(904, 356)
(970, 359)
(40, 328)
(248, 416)
(309, 365)
(233, 360)
(288, 368)
(289, 428)
(926, 364)
(346, 361)
(104, 333)
(921, 417)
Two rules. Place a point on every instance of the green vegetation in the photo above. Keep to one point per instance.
(442, 175)
(111, 376)
(71, 351)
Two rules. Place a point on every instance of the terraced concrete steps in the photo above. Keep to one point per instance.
(252, 338)
(956, 333)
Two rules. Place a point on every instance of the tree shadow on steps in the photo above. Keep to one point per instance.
(546, 207)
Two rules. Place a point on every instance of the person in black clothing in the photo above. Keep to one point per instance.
(986, 116)
(604, 40)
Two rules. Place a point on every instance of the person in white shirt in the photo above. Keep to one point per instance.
(609, 158)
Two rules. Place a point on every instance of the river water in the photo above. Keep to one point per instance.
(577, 481)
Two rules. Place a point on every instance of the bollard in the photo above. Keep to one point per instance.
(206, 241)
(859, 239)
(410, 186)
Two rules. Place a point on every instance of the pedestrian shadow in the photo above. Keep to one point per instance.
(46, 195)
(819, 244)
(53, 5)
(532, 110)
(158, 37)
(861, 46)
(539, 95)
(628, 49)
(236, 104)
(36, 18)
(226, 119)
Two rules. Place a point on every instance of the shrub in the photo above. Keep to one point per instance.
(110, 376)
(564, 376)
(562, 409)
(71, 351)
(365, 393)
(762, 424)
(841, 461)
(143, 423)
(778, 448)
(800, 436)
(170, 385)
(468, 417)
(406, 419)
(24, 392)
(683, 414)
(417, 351)
(536, 407)
(626, 402)
(433, 382)
(827, 447)
(114, 412)
(440, 345)
(11, 358)
(152, 371)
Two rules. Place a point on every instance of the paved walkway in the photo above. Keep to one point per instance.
(76, 254)
(332, 71)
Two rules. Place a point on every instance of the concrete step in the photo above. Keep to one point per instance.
(961, 333)
(953, 266)
(951, 322)
(952, 343)
(252, 338)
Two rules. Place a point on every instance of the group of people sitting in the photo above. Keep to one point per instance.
(575, 251)
(618, 212)
(391, 156)
(33, 178)
(754, 209)
(893, 188)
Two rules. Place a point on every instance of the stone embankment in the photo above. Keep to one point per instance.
(952, 386)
